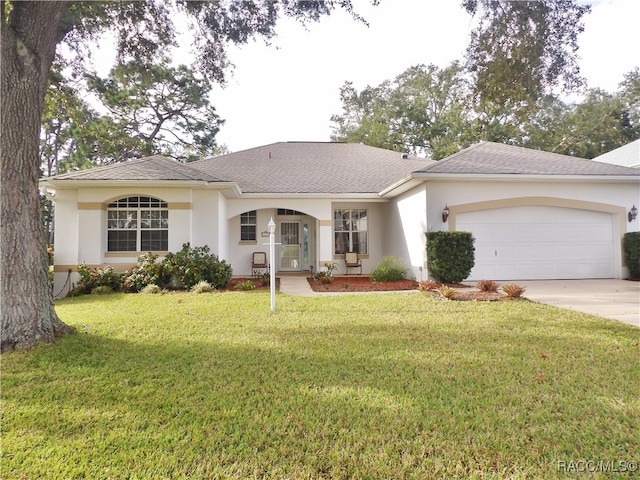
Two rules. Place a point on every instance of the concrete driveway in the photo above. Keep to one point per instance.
(615, 299)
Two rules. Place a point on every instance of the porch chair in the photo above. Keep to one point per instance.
(259, 263)
(351, 260)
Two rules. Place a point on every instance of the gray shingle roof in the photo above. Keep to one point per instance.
(151, 168)
(312, 167)
(628, 155)
(488, 158)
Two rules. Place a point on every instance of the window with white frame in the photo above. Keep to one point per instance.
(350, 231)
(248, 222)
(138, 224)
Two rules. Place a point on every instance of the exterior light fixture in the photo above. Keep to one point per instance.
(445, 213)
(633, 213)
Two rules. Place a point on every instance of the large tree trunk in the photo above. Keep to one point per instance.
(30, 33)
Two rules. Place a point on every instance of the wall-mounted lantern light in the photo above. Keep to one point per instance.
(633, 213)
(445, 213)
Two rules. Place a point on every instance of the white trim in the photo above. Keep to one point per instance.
(527, 177)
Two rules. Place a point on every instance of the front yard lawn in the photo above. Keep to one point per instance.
(358, 386)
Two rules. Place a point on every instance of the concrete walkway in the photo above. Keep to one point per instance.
(614, 299)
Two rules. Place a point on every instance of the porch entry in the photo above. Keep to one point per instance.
(294, 248)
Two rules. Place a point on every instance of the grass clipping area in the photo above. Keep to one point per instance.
(358, 386)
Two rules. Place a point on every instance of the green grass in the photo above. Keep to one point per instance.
(359, 386)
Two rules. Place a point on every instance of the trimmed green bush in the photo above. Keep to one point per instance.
(451, 255)
(390, 269)
(631, 245)
(194, 264)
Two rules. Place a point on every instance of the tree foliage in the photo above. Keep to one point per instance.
(521, 51)
(154, 108)
(426, 110)
(63, 140)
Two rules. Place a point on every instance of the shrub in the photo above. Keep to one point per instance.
(264, 278)
(428, 286)
(450, 255)
(390, 269)
(102, 290)
(194, 264)
(202, 287)
(512, 290)
(446, 291)
(151, 289)
(246, 286)
(631, 246)
(326, 276)
(148, 271)
(330, 268)
(487, 286)
(92, 277)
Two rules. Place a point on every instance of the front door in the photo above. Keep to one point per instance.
(290, 248)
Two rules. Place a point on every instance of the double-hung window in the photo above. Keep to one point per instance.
(138, 224)
(248, 222)
(350, 231)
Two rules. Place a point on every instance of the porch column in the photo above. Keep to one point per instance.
(325, 242)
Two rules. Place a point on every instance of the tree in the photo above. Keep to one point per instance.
(154, 108)
(596, 125)
(424, 110)
(64, 140)
(366, 118)
(30, 33)
(521, 51)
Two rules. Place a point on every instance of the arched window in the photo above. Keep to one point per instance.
(138, 224)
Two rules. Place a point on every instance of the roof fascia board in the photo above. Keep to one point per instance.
(327, 196)
(73, 184)
(407, 183)
(528, 177)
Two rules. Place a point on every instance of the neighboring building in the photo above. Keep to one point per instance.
(627, 156)
(535, 215)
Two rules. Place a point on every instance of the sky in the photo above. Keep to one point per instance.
(289, 90)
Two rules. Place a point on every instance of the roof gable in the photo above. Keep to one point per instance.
(489, 158)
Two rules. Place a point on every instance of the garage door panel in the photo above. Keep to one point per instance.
(540, 242)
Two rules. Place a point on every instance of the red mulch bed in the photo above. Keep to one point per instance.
(360, 284)
(364, 284)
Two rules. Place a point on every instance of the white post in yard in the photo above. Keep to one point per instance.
(272, 254)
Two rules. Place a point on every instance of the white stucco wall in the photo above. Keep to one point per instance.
(405, 227)
(205, 219)
(616, 198)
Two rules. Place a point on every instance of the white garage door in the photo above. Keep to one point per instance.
(540, 242)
